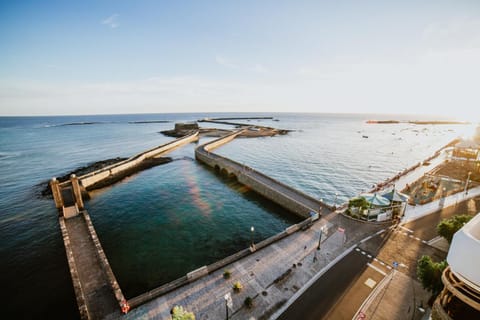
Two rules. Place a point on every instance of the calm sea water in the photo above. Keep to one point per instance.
(166, 221)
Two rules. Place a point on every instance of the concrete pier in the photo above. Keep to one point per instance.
(96, 289)
(88, 180)
(293, 200)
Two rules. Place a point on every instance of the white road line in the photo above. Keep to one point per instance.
(375, 259)
(389, 268)
(376, 269)
(409, 230)
(423, 241)
(357, 249)
(410, 236)
(370, 256)
(418, 238)
(382, 263)
(405, 233)
(364, 253)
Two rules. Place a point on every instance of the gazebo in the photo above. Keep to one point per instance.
(378, 206)
(398, 201)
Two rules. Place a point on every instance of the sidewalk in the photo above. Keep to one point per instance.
(270, 276)
(384, 302)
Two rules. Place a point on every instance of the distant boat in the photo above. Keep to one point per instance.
(364, 136)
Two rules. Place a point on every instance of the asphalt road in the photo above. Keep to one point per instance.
(321, 297)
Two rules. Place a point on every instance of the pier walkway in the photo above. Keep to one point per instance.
(294, 200)
(94, 289)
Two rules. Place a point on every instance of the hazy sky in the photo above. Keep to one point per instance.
(102, 56)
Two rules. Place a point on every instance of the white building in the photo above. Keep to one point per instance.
(460, 298)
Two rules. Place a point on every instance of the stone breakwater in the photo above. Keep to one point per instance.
(293, 200)
(107, 175)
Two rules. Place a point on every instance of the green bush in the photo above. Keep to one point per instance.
(430, 274)
(447, 227)
(178, 313)
(358, 202)
(227, 274)
(248, 302)
(237, 286)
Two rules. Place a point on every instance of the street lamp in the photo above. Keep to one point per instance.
(320, 238)
(466, 183)
(252, 245)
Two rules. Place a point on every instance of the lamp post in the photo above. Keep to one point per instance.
(252, 245)
(466, 183)
(320, 238)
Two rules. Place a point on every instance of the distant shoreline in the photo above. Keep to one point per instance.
(416, 122)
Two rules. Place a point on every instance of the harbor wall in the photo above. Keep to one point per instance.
(255, 180)
(120, 167)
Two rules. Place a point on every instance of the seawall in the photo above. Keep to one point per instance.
(287, 197)
(133, 163)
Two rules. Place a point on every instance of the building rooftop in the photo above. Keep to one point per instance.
(464, 254)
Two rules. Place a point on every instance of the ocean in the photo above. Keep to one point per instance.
(159, 224)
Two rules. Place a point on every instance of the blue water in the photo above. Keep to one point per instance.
(159, 224)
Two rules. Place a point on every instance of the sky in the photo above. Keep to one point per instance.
(126, 56)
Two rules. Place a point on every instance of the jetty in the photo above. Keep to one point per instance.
(291, 199)
(96, 289)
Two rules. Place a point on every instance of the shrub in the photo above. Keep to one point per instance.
(237, 286)
(430, 274)
(178, 313)
(248, 302)
(227, 273)
(447, 227)
(358, 202)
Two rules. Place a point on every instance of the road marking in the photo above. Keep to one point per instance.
(357, 249)
(375, 259)
(406, 229)
(410, 236)
(403, 265)
(418, 238)
(370, 283)
(382, 263)
(376, 269)
(370, 256)
(405, 233)
(423, 241)
(364, 253)
(389, 268)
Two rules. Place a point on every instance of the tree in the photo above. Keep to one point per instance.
(447, 227)
(178, 313)
(430, 274)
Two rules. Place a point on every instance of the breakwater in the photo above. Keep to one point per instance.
(133, 164)
(293, 200)
(96, 289)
